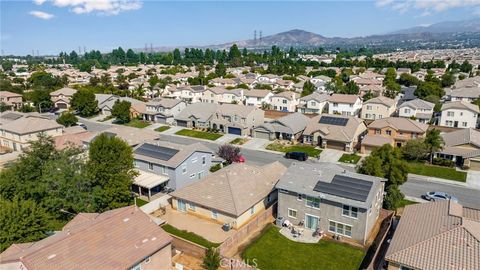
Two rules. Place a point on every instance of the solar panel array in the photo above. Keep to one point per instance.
(345, 187)
(11, 116)
(330, 120)
(155, 151)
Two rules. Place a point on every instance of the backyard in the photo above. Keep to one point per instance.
(308, 149)
(436, 171)
(273, 251)
(349, 158)
(162, 128)
(192, 237)
(199, 134)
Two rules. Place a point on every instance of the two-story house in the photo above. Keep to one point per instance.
(349, 105)
(313, 103)
(196, 115)
(462, 114)
(417, 109)
(468, 94)
(163, 110)
(286, 101)
(11, 100)
(221, 95)
(326, 197)
(61, 97)
(378, 108)
(237, 119)
(257, 97)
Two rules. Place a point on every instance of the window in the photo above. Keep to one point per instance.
(369, 107)
(195, 159)
(314, 103)
(184, 168)
(464, 124)
(299, 197)
(163, 170)
(214, 214)
(147, 260)
(192, 175)
(191, 206)
(252, 210)
(335, 104)
(350, 211)
(407, 110)
(204, 160)
(150, 166)
(284, 101)
(450, 114)
(378, 131)
(292, 213)
(340, 228)
(389, 132)
(368, 115)
(312, 202)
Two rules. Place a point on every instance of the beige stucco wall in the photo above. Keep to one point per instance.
(22, 141)
(161, 260)
(379, 110)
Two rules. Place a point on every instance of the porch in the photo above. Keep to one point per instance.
(148, 184)
(301, 234)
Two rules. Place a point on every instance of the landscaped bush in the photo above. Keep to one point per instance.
(443, 162)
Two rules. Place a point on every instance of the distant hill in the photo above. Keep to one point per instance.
(444, 27)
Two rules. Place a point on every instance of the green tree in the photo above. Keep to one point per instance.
(429, 88)
(408, 80)
(433, 141)
(84, 102)
(41, 99)
(121, 111)
(308, 88)
(393, 198)
(220, 70)
(7, 65)
(448, 79)
(67, 119)
(211, 261)
(415, 150)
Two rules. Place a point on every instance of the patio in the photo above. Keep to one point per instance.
(300, 234)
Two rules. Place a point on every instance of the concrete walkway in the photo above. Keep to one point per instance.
(172, 130)
(472, 180)
(227, 138)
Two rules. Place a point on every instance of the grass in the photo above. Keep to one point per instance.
(141, 202)
(239, 141)
(137, 123)
(199, 134)
(192, 237)
(162, 128)
(308, 149)
(273, 251)
(437, 171)
(349, 158)
(405, 202)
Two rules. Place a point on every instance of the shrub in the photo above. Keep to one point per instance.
(443, 162)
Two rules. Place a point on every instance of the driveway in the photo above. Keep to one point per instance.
(473, 179)
(330, 155)
(226, 138)
(256, 144)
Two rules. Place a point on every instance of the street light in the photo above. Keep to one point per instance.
(40, 107)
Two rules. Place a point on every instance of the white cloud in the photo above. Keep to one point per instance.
(39, 2)
(41, 15)
(428, 6)
(102, 7)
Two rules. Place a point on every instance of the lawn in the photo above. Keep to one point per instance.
(349, 158)
(406, 202)
(436, 171)
(195, 238)
(141, 202)
(199, 134)
(308, 149)
(137, 123)
(239, 141)
(273, 251)
(162, 128)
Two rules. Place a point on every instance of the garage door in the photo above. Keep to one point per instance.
(475, 165)
(262, 135)
(182, 123)
(161, 120)
(233, 130)
(336, 145)
(62, 105)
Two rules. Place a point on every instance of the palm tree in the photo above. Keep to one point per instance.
(211, 261)
(434, 142)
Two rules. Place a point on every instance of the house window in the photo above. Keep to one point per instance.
(464, 124)
(191, 206)
(367, 115)
(194, 160)
(163, 170)
(314, 103)
(204, 160)
(299, 197)
(340, 228)
(407, 111)
(312, 202)
(450, 114)
(184, 168)
(136, 267)
(335, 104)
(292, 213)
(350, 211)
(284, 101)
(148, 259)
(389, 132)
(192, 175)
(378, 131)
(252, 210)
(214, 214)
(150, 166)
(369, 107)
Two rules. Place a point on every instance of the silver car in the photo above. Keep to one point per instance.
(439, 196)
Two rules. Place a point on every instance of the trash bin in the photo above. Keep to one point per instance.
(279, 221)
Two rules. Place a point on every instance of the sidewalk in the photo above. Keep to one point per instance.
(472, 181)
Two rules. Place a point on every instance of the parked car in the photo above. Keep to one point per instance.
(300, 156)
(240, 159)
(82, 125)
(438, 196)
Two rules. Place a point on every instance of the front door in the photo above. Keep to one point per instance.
(311, 222)
(455, 124)
(182, 206)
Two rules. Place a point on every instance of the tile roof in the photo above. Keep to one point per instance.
(257, 93)
(468, 92)
(66, 91)
(164, 102)
(342, 98)
(418, 104)
(374, 140)
(345, 133)
(462, 105)
(288, 95)
(30, 124)
(316, 96)
(381, 100)
(9, 94)
(400, 123)
(200, 110)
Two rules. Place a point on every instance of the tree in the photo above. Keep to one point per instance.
(433, 141)
(408, 80)
(429, 88)
(84, 102)
(211, 261)
(41, 99)
(121, 111)
(67, 119)
(415, 150)
(351, 88)
(229, 152)
(393, 198)
(7, 65)
(220, 70)
(308, 88)
(448, 79)
(367, 96)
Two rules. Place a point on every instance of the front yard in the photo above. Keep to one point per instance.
(162, 128)
(437, 171)
(308, 149)
(199, 134)
(239, 141)
(349, 158)
(192, 237)
(137, 123)
(273, 251)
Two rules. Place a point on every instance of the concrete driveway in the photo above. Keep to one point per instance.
(330, 155)
(473, 179)
(256, 144)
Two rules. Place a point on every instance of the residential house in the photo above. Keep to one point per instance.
(233, 195)
(467, 94)
(196, 115)
(462, 147)
(220, 95)
(168, 165)
(106, 102)
(313, 103)
(257, 97)
(10, 99)
(330, 199)
(344, 104)
(335, 131)
(462, 114)
(163, 110)
(378, 108)
(289, 127)
(268, 79)
(190, 94)
(123, 238)
(222, 82)
(436, 235)
(417, 109)
(286, 101)
(61, 97)
(132, 136)
(237, 119)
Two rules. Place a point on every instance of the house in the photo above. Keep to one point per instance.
(289, 127)
(378, 107)
(106, 102)
(344, 104)
(163, 110)
(462, 114)
(221, 95)
(61, 97)
(394, 130)
(462, 147)
(467, 94)
(10, 99)
(326, 197)
(223, 82)
(313, 103)
(237, 119)
(257, 97)
(190, 94)
(417, 109)
(334, 131)
(123, 238)
(286, 101)
(436, 235)
(168, 165)
(232, 195)
(196, 115)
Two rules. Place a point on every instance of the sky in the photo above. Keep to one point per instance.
(51, 26)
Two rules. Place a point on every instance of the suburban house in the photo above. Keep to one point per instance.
(196, 115)
(163, 110)
(418, 109)
(237, 119)
(326, 197)
(257, 97)
(344, 104)
(313, 103)
(190, 94)
(123, 238)
(10, 99)
(17, 130)
(132, 136)
(233, 195)
(223, 82)
(221, 95)
(106, 102)
(61, 97)
(462, 114)
(289, 127)
(436, 235)
(462, 147)
(468, 94)
(395, 131)
(335, 131)
(168, 165)
(286, 101)
(378, 108)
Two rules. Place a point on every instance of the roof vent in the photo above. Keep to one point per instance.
(51, 256)
(126, 219)
(145, 240)
(154, 238)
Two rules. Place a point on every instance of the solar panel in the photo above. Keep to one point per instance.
(11, 116)
(329, 120)
(346, 187)
(155, 151)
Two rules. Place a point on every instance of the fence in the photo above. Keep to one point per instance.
(155, 204)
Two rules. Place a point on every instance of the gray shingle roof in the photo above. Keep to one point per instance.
(418, 104)
(462, 105)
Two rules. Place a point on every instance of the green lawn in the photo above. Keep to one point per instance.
(141, 202)
(349, 158)
(273, 251)
(436, 171)
(239, 141)
(162, 128)
(406, 202)
(308, 149)
(137, 123)
(197, 239)
(199, 134)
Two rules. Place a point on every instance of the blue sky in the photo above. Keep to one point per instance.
(51, 26)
